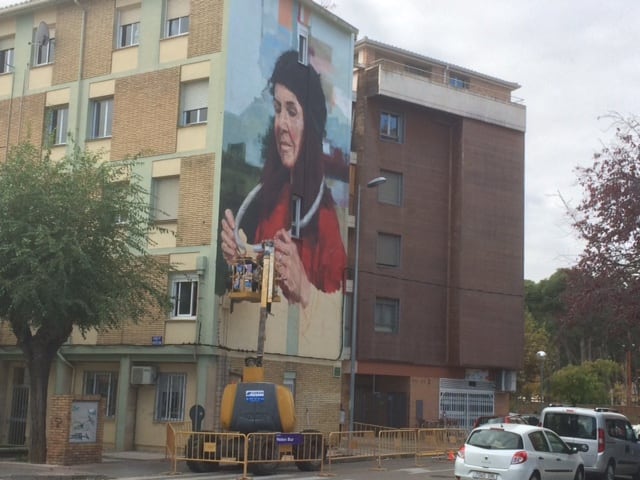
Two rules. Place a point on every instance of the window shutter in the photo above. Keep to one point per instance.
(177, 8)
(129, 15)
(195, 95)
(6, 43)
(166, 198)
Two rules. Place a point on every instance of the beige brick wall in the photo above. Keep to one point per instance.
(5, 106)
(205, 28)
(27, 119)
(59, 450)
(130, 333)
(6, 334)
(149, 101)
(196, 201)
(68, 39)
(99, 37)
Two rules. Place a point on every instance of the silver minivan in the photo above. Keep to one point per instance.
(604, 438)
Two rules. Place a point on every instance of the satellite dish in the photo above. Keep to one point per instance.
(42, 34)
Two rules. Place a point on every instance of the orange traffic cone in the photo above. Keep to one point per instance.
(451, 456)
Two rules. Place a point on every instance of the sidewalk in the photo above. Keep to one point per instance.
(115, 465)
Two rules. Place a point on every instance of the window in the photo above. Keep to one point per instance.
(177, 16)
(170, 393)
(177, 26)
(388, 249)
(303, 45)
(391, 191)
(289, 381)
(6, 54)
(390, 126)
(194, 100)
(101, 117)
(165, 194)
(45, 53)
(56, 125)
(387, 315)
(458, 81)
(296, 213)
(184, 296)
(128, 27)
(104, 384)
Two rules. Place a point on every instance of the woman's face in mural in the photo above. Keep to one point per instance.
(289, 124)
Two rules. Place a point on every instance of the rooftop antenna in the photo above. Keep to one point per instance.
(42, 34)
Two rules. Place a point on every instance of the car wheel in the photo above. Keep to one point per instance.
(579, 474)
(610, 472)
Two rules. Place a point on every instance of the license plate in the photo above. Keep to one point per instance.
(484, 475)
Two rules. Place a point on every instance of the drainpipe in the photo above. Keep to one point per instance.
(60, 388)
(80, 69)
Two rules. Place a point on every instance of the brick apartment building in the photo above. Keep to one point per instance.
(185, 83)
(440, 304)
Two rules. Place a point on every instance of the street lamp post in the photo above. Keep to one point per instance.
(354, 314)
(541, 356)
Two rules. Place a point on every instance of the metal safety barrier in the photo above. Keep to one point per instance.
(262, 453)
(432, 442)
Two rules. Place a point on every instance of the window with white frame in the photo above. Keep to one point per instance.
(45, 53)
(100, 117)
(391, 126)
(56, 121)
(128, 27)
(6, 54)
(391, 191)
(104, 384)
(177, 15)
(303, 44)
(184, 296)
(388, 249)
(165, 194)
(387, 315)
(194, 100)
(170, 397)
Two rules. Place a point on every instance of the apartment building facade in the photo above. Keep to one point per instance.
(185, 84)
(440, 297)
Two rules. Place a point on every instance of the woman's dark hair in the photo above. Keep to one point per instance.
(304, 82)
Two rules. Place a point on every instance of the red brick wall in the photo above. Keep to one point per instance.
(59, 450)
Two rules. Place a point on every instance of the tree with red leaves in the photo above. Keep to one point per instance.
(605, 284)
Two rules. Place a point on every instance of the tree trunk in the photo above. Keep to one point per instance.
(39, 357)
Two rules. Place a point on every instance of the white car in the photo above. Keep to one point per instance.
(513, 451)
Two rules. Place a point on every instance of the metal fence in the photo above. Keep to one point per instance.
(262, 453)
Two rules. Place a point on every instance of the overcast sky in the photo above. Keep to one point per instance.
(575, 60)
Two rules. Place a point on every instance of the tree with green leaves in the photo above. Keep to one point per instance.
(589, 383)
(73, 253)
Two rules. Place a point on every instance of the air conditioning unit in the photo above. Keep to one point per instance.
(143, 375)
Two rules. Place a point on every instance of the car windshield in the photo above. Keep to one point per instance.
(495, 439)
(571, 425)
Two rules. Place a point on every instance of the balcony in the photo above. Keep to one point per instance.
(471, 97)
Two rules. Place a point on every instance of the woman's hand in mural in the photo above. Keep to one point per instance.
(229, 244)
(291, 273)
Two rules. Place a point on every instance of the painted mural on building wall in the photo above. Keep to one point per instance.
(284, 178)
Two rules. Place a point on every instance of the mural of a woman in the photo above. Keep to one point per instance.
(293, 166)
